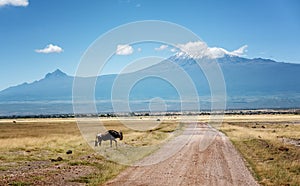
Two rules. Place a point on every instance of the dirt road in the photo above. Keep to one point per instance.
(206, 158)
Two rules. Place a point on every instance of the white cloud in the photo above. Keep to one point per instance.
(124, 50)
(162, 47)
(173, 50)
(50, 49)
(200, 49)
(240, 51)
(14, 3)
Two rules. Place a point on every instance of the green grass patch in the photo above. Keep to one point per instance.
(19, 184)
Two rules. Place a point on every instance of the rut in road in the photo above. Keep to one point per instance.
(207, 158)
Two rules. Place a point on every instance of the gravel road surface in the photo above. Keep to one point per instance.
(203, 156)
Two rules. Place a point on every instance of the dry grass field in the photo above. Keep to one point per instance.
(270, 144)
(33, 151)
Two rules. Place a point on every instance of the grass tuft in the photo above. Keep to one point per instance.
(19, 184)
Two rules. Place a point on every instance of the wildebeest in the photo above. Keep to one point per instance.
(109, 135)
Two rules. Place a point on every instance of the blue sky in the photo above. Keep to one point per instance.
(270, 29)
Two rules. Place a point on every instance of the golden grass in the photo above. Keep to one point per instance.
(30, 140)
(38, 139)
(260, 141)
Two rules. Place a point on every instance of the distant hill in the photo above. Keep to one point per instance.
(250, 83)
(54, 86)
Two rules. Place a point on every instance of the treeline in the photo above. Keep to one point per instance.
(145, 114)
(38, 116)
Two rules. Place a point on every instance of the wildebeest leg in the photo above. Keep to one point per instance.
(110, 142)
(96, 141)
(115, 142)
(99, 142)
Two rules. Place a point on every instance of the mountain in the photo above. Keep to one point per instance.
(250, 76)
(261, 76)
(54, 86)
(250, 83)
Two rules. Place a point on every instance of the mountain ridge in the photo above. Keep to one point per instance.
(60, 73)
(227, 58)
(249, 82)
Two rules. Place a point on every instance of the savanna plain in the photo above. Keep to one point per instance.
(53, 151)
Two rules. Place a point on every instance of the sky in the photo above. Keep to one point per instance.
(38, 37)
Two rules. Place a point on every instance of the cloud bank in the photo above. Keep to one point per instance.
(14, 3)
(200, 49)
(124, 50)
(50, 49)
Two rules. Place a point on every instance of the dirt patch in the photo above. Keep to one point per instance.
(295, 142)
(46, 173)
